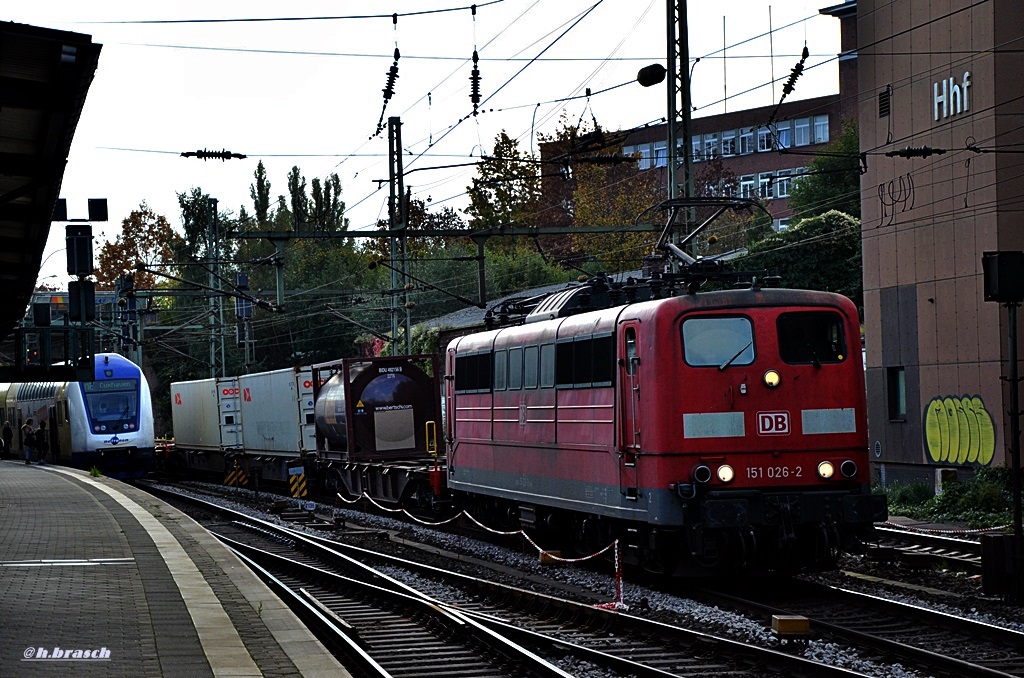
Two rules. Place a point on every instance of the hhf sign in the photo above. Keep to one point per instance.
(949, 98)
(772, 423)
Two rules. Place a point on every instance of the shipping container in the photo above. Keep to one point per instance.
(277, 411)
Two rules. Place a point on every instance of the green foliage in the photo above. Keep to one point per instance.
(822, 253)
(833, 181)
(95, 472)
(983, 501)
(508, 273)
(260, 193)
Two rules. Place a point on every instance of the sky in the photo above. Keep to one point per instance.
(309, 92)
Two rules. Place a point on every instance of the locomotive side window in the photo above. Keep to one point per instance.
(811, 337)
(547, 366)
(718, 341)
(515, 369)
(585, 362)
(473, 373)
(530, 366)
(500, 370)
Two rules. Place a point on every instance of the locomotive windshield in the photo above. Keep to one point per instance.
(112, 404)
(718, 341)
(813, 337)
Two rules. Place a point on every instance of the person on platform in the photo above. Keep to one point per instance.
(28, 440)
(8, 439)
(42, 442)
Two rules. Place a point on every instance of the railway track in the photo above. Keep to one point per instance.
(939, 643)
(918, 549)
(550, 626)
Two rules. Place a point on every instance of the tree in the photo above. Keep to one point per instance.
(328, 210)
(197, 218)
(506, 192)
(832, 181)
(615, 195)
(145, 237)
(820, 253)
(260, 192)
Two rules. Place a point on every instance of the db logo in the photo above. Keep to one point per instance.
(229, 391)
(177, 398)
(772, 423)
(307, 384)
(246, 396)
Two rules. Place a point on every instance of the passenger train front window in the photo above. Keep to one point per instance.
(718, 341)
(811, 337)
(112, 404)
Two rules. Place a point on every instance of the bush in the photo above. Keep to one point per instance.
(983, 501)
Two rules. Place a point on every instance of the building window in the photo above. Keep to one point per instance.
(747, 186)
(661, 154)
(896, 384)
(729, 142)
(628, 151)
(764, 139)
(697, 155)
(746, 140)
(802, 132)
(711, 148)
(782, 224)
(783, 134)
(821, 129)
(764, 185)
(645, 156)
(782, 184)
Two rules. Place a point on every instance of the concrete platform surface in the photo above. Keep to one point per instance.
(99, 578)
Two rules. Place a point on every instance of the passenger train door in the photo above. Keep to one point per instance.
(629, 442)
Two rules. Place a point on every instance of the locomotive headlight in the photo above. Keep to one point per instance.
(772, 378)
(848, 468)
(826, 469)
(725, 473)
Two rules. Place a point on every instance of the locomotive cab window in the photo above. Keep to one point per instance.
(718, 341)
(811, 337)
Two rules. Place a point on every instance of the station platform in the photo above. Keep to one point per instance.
(99, 578)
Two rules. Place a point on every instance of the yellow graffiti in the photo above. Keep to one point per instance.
(959, 431)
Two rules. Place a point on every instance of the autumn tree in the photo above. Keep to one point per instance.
(505, 192)
(146, 237)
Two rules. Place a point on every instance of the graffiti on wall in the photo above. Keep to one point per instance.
(959, 431)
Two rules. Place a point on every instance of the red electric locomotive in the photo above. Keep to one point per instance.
(708, 432)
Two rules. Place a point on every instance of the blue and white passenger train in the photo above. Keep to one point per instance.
(106, 423)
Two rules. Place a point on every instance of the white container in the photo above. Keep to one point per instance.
(195, 415)
(277, 412)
